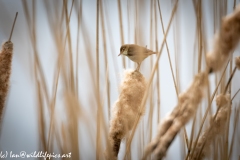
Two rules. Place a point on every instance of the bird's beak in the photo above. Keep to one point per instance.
(119, 54)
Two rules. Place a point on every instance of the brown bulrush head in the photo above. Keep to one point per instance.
(5, 71)
(226, 41)
(126, 107)
(185, 109)
(216, 128)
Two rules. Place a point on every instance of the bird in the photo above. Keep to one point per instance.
(135, 53)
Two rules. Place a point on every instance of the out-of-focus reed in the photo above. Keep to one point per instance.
(61, 125)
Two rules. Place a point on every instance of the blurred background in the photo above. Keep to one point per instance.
(66, 72)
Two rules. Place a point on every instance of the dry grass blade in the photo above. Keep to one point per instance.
(13, 27)
(79, 15)
(170, 62)
(169, 58)
(236, 94)
(73, 111)
(229, 80)
(199, 26)
(41, 118)
(105, 56)
(32, 28)
(236, 121)
(99, 118)
(150, 114)
(71, 82)
(121, 30)
(158, 74)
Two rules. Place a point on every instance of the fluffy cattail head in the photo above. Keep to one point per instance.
(7, 47)
(132, 90)
(223, 100)
(226, 40)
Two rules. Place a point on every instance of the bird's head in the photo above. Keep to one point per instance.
(123, 50)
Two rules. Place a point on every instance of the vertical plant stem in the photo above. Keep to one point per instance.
(121, 29)
(168, 53)
(158, 70)
(105, 57)
(199, 24)
(13, 27)
(236, 121)
(150, 116)
(98, 132)
(67, 17)
(78, 32)
(229, 80)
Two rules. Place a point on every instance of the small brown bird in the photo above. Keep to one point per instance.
(136, 53)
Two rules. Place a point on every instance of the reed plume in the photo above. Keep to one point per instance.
(217, 127)
(125, 108)
(185, 109)
(5, 68)
(5, 71)
(225, 41)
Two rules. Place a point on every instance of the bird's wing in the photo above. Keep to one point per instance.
(151, 52)
(133, 50)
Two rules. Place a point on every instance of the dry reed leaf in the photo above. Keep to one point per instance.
(73, 113)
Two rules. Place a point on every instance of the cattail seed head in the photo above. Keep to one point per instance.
(5, 71)
(222, 100)
(226, 40)
(132, 90)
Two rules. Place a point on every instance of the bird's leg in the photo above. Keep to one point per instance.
(138, 67)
